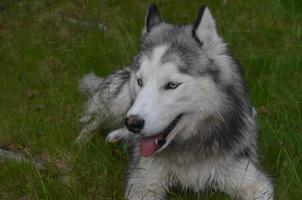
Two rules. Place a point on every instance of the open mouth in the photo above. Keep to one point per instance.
(148, 145)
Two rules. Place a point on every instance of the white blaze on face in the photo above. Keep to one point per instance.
(153, 64)
(147, 95)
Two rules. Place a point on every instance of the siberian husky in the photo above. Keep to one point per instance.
(184, 109)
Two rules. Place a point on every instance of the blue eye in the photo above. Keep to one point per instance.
(139, 82)
(171, 85)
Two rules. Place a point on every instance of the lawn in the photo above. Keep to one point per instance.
(46, 46)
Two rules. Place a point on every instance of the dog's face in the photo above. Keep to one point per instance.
(163, 93)
(174, 79)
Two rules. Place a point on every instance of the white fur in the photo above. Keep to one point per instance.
(241, 180)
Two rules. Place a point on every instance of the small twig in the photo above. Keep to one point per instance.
(19, 157)
(85, 24)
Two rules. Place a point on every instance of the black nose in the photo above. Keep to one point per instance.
(134, 123)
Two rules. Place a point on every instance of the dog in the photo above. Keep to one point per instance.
(183, 107)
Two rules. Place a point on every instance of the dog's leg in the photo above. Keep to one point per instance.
(88, 131)
(244, 181)
(147, 181)
(117, 135)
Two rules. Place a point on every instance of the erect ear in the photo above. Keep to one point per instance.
(152, 18)
(204, 28)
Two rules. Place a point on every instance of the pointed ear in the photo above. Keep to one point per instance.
(152, 18)
(204, 28)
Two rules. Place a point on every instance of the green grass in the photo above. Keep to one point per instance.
(42, 57)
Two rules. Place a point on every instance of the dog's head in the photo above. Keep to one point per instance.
(176, 79)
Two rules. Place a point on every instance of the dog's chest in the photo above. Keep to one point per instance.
(195, 175)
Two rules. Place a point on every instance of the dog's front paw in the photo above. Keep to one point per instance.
(85, 119)
(115, 136)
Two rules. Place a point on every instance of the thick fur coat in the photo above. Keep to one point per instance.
(197, 126)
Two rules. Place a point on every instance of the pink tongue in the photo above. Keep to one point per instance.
(147, 146)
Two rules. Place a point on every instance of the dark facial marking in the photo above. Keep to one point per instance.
(214, 72)
(245, 153)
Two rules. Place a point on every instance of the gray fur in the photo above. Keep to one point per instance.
(221, 152)
(104, 102)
